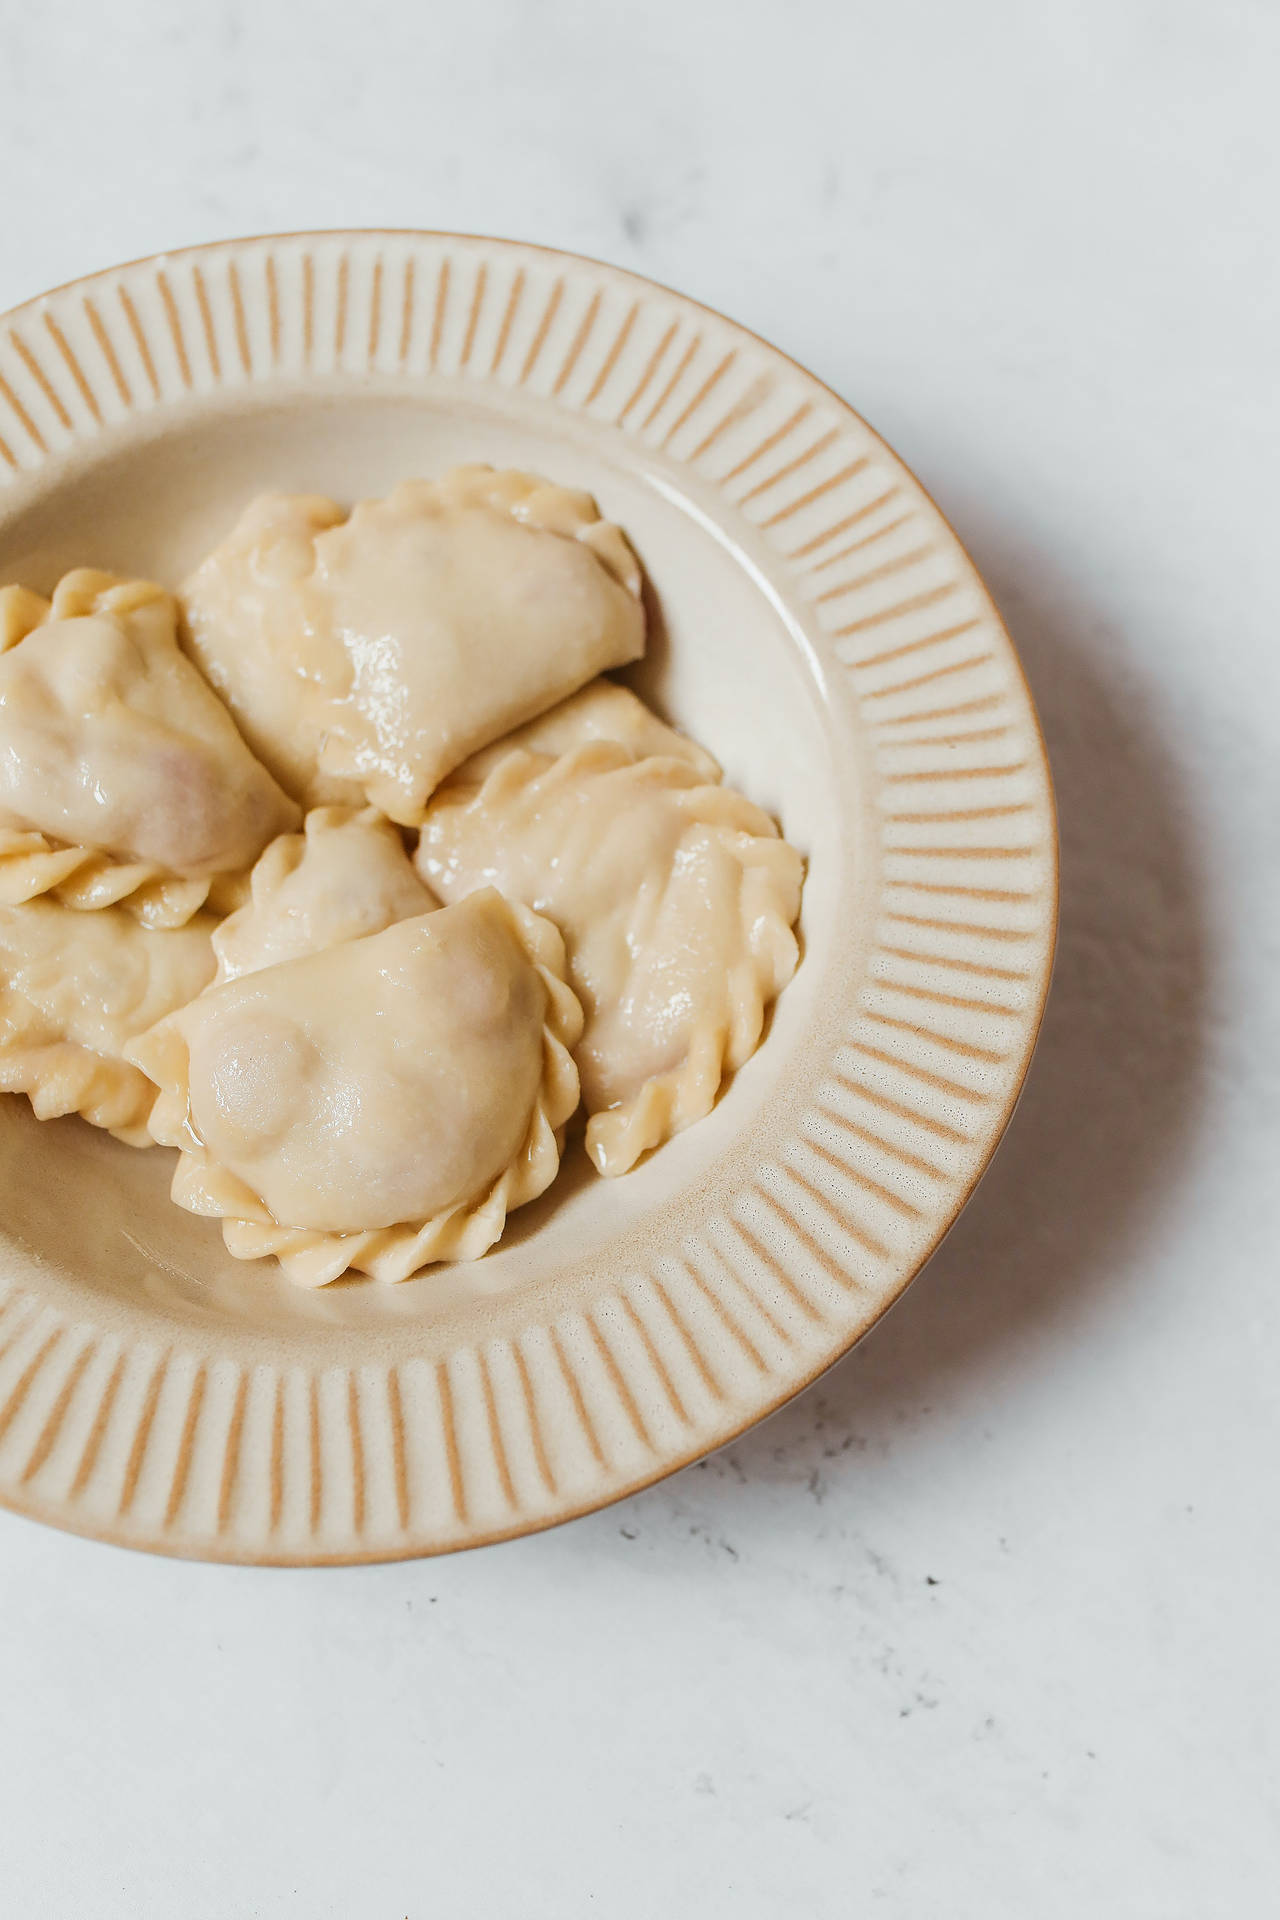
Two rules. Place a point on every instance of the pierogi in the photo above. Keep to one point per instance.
(380, 1104)
(387, 646)
(122, 776)
(346, 875)
(676, 900)
(75, 989)
(245, 622)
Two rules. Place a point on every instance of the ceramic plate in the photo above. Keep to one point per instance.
(817, 624)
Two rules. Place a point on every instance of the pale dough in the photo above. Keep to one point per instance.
(379, 651)
(346, 875)
(381, 1104)
(122, 776)
(245, 623)
(601, 711)
(75, 989)
(676, 899)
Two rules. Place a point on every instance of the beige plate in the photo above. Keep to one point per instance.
(818, 625)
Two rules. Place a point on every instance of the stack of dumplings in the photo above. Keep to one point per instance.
(346, 874)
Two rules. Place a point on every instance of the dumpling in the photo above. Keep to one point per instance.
(389, 646)
(466, 607)
(676, 900)
(346, 875)
(601, 711)
(246, 624)
(122, 776)
(379, 1105)
(75, 989)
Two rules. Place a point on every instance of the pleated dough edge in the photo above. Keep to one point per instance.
(313, 1258)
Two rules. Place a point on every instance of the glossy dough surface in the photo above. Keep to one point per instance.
(386, 647)
(378, 1105)
(346, 875)
(246, 623)
(75, 989)
(676, 900)
(122, 776)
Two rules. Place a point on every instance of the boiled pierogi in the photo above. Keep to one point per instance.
(379, 651)
(122, 776)
(75, 989)
(379, 1105)
(346, 875)
(246, 621)
(676, 900)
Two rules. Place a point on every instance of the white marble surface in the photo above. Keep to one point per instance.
(984, 1625)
